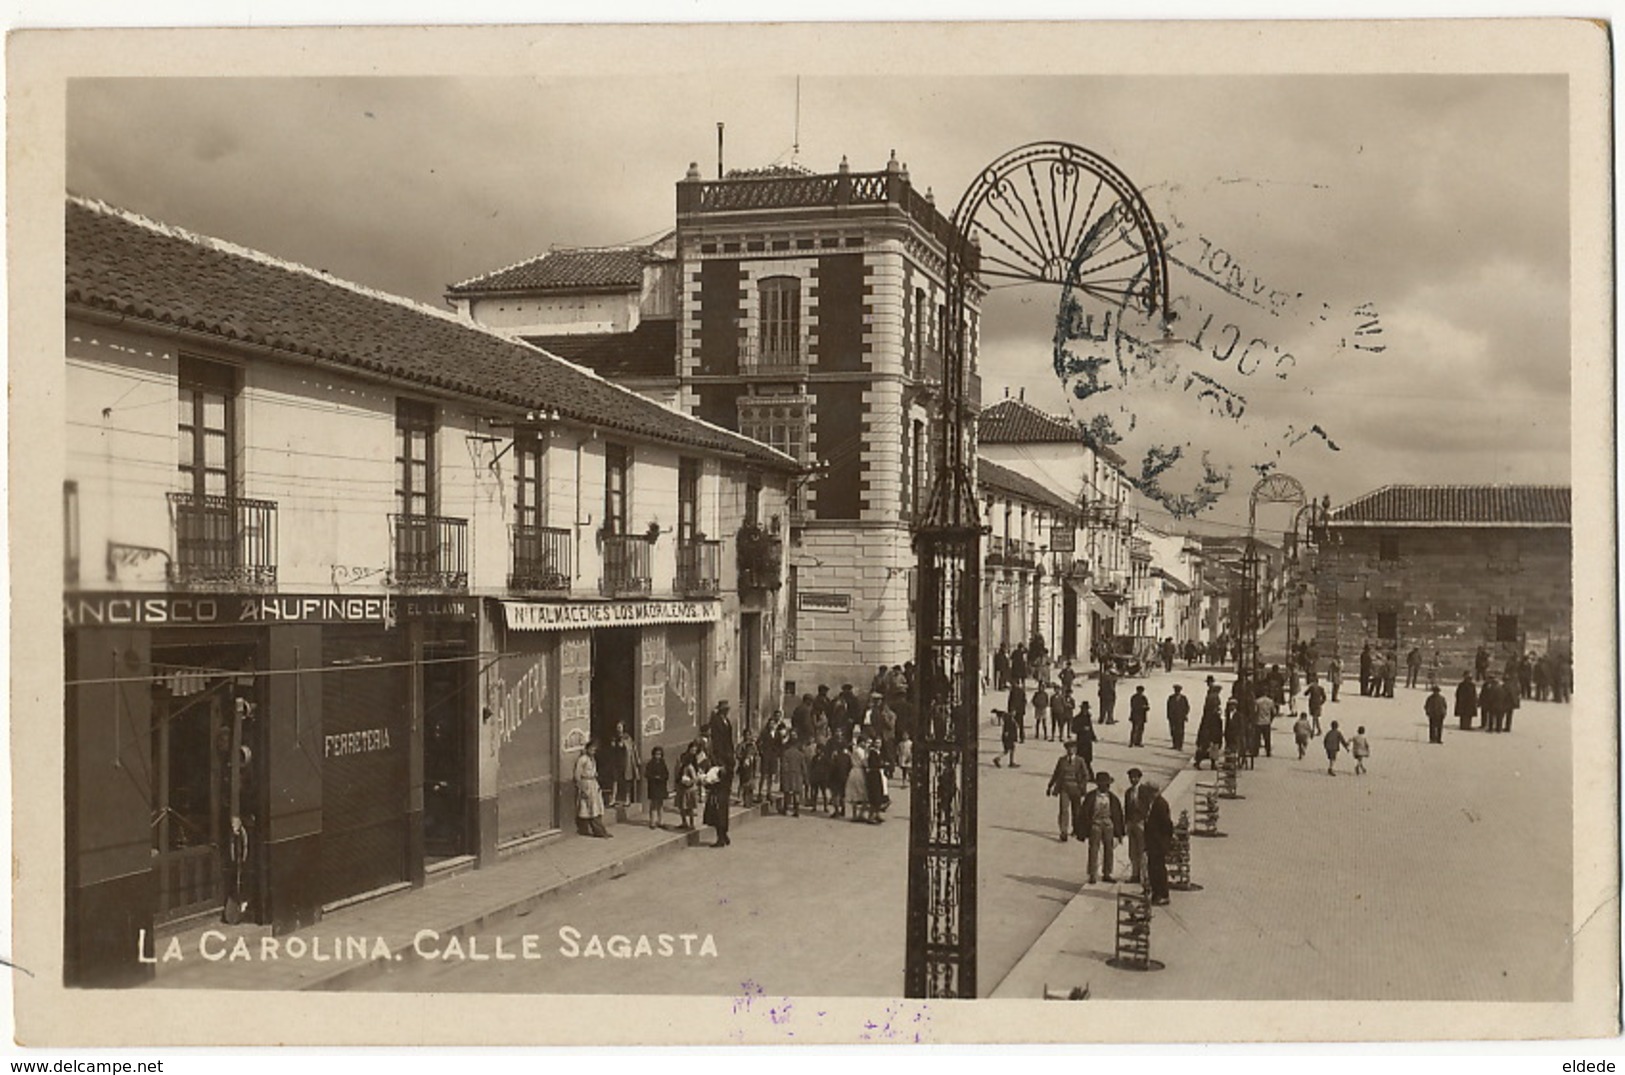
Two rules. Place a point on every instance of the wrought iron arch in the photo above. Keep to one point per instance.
(1051, 213)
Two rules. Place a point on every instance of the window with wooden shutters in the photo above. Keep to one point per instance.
(688, 500)
(414, 457)
(206, 427)
(528, 485)
(615, 471)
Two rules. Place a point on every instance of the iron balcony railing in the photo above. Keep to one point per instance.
(699, 568)
(772, 355)
(541, 560)
(626, 565)
(431, 552)
(223, 541)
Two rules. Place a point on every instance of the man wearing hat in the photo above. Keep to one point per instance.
(1069, 781)
(1135, 807)
(721, 733)
(1436, 709)
(1101, 821)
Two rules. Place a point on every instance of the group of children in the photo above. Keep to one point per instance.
(1335, 742)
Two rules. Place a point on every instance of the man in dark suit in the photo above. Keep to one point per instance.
(1159, 838)
(721, 733)
(1466, 701)
(1101, 822)
(1135, 806)
(1069, 781)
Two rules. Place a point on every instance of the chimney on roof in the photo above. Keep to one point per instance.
(1006, 391)
(1022, 394)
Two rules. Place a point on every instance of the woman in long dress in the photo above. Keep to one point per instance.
(857, 796)
(589, 796)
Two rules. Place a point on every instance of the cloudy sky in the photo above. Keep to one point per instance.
(1413, 228)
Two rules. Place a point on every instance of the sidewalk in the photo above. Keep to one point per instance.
(346, 946)
(1402, 884)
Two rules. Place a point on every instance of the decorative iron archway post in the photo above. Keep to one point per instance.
(1042, 226)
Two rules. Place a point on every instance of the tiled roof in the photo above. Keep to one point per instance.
(1458, 505)
(123, 264)
(564, 270)
(650, 350)
(1015, 421)
(1005, 480)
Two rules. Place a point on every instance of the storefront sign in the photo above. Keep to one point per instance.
(808, 601)
(529, 616)
(1063, 539)
(431, 607)
(362, 742)
(654, 683)
(201, 610)
(575, 691)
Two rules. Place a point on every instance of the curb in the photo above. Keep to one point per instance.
(357, 973)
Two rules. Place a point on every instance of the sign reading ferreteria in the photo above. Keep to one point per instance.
(535, 616)
(209, 610)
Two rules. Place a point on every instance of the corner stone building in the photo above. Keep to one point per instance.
(806, 311)
(1448, 568)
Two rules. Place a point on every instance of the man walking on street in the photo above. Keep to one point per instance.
(1365, 671)
(1334, 672)
(1317, 702)
(1068, 783)
(1108, 697)
(1179, 711)
(1139, 709)
(1016, 706)
(1334, 742)
(1436, 711)
(1102, 823)
(1413, 666)
(1134, 812)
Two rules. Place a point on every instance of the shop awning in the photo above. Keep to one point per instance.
(1096, 605)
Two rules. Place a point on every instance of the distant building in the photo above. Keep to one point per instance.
(806, 311)
(1050, 450)
(1032, 581)
(1448, 568)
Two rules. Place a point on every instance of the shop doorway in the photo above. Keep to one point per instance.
(205, 739)
(614, 681)
(446, 728)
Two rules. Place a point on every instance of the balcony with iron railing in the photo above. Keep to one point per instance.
(627, 559)
(699, 568)
(773, 356)
(541, 561)
(430, 553)
(223, 542)
(760, 558)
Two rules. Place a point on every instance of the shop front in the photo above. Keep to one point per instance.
(252, 757)
(570, 673)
